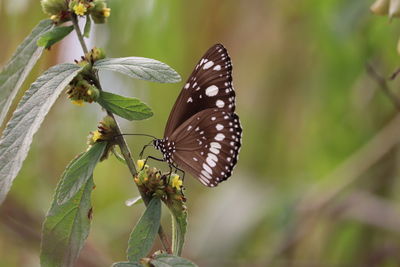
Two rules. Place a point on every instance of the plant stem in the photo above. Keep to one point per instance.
(120, 139)
(384, 86)
(79, 33)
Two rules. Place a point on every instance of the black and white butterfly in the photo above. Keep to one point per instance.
(203, 133)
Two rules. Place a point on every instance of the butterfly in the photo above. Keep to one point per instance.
(203, 133)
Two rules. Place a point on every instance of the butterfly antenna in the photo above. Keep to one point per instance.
(148, 135)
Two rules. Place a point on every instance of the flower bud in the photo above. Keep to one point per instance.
(54, 7)
(99, 12)
(380, 7)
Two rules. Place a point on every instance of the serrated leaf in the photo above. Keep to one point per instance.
(66, 228)
(26, 120)
(166, 260)
(127, 264)
(17, 69)
(88, 26)
(140, 68)
(125, 107)
(143, 235)
(54, 35)
(77, 174)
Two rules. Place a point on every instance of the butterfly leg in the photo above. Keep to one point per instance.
(144, 148)
(150, 157)
(182, 171)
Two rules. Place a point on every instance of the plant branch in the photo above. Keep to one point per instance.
(79, 33)
(381, 81)
(121, 140)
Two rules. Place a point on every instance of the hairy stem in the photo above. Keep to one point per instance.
(79, 33)
(120, 139)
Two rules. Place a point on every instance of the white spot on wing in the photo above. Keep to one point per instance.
(207, 168)
(212, 90)
(206, 174)
(208, 65)
(210, 162)
(187, 85)
(220, 103)
(216, 145)
(219, 137)
(219, 127)
(217, 68)
(190, 99)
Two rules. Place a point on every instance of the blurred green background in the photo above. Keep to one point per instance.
(317, 181)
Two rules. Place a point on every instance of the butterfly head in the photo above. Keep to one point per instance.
(166, 147)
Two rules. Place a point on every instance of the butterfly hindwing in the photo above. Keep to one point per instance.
(209, 86)
(208, 144)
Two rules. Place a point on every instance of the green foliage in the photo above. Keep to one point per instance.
(26, 120)
(88, 26)
(179, 226)
(145, 231)
(125, 107)
(17, 69)
(140, 68)
(79, 171)
(66, 227)
(165, 260)
(54, 35)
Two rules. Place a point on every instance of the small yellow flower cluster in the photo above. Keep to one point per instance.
(79, 91)
(106, 12)
(151, 181)
(80, 9)
(176, 182)
(96, 136)
(61, 10)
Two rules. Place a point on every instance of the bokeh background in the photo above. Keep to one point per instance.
(318, 177)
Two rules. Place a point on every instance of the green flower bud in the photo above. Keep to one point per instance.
(99, 12)
(54, 7)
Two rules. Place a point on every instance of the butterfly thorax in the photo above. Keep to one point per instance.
(166, 147)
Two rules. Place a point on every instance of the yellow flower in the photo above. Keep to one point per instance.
(140, 164)
(80, 9)
(106, 12)
(78, 102)
(96, 136)
(176, 182)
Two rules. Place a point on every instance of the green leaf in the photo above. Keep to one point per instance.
(145, 231)
(88, 26)
(140, 68)
(134, 201)
(66, 228)
(127, 264)
(26, 120)
(179, 225)
(77, 174)
(54, 35)
(166, 260)
(125, 107)
(20, 65)
(118, 156)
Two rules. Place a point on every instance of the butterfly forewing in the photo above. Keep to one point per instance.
(209, 86)
(208, 144)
